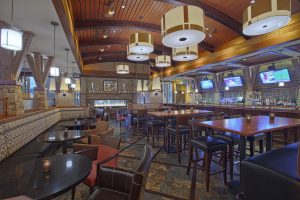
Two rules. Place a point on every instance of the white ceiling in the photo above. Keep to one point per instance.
(36, 16)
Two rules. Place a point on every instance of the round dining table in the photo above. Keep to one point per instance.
(44, 177)
(62, 137)
(77, 125)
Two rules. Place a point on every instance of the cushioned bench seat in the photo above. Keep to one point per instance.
(272, 175)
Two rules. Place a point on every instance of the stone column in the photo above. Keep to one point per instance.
(217, 98)
(41, 102)
(248, 98)
(12, 91)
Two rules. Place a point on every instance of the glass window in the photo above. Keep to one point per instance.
(168, 93)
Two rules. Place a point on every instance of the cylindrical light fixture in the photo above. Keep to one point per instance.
(73, 85)
(139, 87)
(52, 86)
(156, 84)
(185, 53)
(67, 80)
(141, 43)
(265, 16)
(136, 57)
(11, 39)
(183, 26)
(54, 71)
(145, 86)
(163, 61)
(122, 69)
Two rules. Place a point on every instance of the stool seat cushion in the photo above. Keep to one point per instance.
(228, 137)
(256, 137)
(181, 129)
(208, 143)
(155, 123)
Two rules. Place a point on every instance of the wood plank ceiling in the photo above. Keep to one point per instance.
(223, 22)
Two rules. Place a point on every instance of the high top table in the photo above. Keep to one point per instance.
(177, 113)
(32, 179)
(258, 124)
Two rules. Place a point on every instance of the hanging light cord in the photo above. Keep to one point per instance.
(54, 34)
(12, 13)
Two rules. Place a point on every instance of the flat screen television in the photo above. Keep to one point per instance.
(235, 81)
(275, 76)
(207, 84)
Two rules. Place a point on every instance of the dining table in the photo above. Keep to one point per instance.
(44, 177)
(62, 137)
(255, 125)
(77, 124)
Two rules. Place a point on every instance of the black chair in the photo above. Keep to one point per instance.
(209, 145)
(118, 184)
(272, 175)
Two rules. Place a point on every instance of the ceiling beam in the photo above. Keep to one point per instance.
(113, 59)
(111, 53)
(100, 24)
(113, 41)
(212, 13)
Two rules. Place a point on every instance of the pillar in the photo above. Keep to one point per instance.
(217, 98)
(40, 94)
(11, 91)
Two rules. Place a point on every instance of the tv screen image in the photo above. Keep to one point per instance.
(275, 76)
(207, 84)
(233, 81)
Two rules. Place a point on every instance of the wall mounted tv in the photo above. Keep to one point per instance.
(207, 84)
(234, 81)
(275, 76)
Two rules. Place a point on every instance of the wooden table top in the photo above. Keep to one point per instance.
(175, 113)
(258, 124)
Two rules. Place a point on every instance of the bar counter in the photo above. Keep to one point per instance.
(282, 111)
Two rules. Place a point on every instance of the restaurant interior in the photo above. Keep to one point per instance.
(150, 99)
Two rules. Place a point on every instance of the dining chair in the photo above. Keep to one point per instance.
(118, 183)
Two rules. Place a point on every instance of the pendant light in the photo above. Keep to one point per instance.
(185, 53)
(163, 61)
(183, 26)
(67, 79)
(122, 69)
(141, 43)
(54, 71)
(156, 84)
(136, 57)
(11, 38)
(265, 16)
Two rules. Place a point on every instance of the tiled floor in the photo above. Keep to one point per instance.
(167, 179)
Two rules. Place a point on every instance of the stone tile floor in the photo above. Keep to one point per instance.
(167, 179)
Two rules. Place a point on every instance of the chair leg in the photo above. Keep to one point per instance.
(73, 193)
(178, 147)
(251, 148)
(231, 160)
(152, 131)
(224, 163)
(207, 160)
(190, 160)
(91, 189)
(261, 146)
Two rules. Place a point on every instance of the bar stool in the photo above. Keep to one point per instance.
(178, 131)
(140, 120)
(154, 126)
(209, 145)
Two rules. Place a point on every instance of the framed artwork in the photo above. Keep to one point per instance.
(110, 86)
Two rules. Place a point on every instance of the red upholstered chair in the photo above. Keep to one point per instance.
(107, 148)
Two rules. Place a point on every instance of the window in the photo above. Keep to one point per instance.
(110, 103)
(168, 93)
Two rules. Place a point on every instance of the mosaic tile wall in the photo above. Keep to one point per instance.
(15, 134)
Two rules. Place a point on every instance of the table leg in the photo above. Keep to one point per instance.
(242, 148)
(269, 141)
(64, 148)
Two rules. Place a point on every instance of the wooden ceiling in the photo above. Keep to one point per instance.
(223, 21)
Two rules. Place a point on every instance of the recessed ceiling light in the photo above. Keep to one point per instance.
(102, 49)
(123, 6)
(252, 1)
(108, 46)
(114, 31)
(105, 35)
(207, 29)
